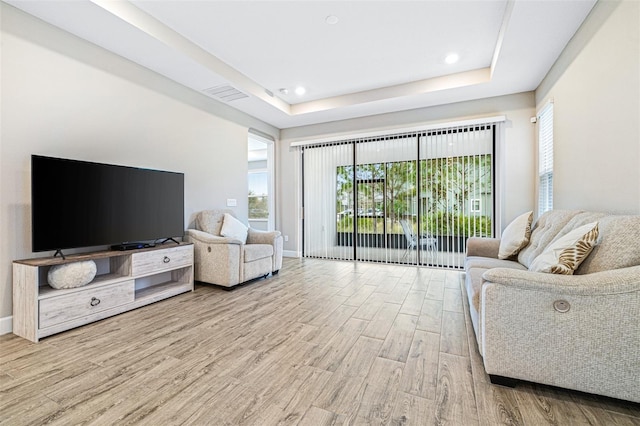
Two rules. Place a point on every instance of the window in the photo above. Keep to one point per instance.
(545, 158)
(258, 195)
(260, 182)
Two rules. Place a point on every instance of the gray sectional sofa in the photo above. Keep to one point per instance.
(579, 331)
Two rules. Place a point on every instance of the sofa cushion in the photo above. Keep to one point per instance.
(577, 221)
(210, 221)
(489, 262)
(544, 231)
(233, 228)
(564, 255)
(618, 245)
(254, 252)
(515, 236)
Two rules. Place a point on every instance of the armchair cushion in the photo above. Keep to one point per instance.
(257, 251)
(233, 228)
(210, 221)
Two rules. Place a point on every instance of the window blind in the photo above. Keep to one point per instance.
(545, 159)
(408, 198)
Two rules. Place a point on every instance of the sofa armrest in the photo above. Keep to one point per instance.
(204, 237)
(606, 282)
(483, 247)
(577, 332)
(255, 236)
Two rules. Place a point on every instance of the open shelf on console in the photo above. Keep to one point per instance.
(166, 289)
(99, 281)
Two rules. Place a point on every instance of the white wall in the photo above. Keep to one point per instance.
(65, 97)
(517, 151)
(595, 85)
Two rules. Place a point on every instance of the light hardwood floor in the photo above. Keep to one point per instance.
(321, 343)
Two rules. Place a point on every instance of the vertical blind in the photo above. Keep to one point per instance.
(545, 159)
(409, 198)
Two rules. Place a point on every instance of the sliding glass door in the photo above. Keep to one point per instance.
(411, 198)
(456, 189)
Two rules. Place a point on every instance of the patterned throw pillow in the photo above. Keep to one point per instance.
(515, 236)
(564, 255)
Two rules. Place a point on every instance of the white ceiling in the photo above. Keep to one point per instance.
(381, 56)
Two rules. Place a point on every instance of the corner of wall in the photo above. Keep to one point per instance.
(594, 21)
(6, 325)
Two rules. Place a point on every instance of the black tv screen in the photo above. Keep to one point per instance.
(82, 204)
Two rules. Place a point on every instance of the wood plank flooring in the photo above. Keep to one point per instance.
(322, 343)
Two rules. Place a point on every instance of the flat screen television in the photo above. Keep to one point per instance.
(82, 204)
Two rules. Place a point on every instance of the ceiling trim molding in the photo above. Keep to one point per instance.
(451, 81)
(417, 129)
(148, 24)
(503, 29)
(156, 29)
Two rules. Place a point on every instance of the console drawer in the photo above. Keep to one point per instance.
(56, 310)
(156, 260)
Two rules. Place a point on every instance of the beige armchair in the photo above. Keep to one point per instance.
(227, 261)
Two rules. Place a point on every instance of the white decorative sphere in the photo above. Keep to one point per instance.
(72, 275)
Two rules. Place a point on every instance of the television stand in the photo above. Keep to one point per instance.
(59, 252)
(125, 281)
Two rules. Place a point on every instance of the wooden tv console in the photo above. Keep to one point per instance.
(125, 280)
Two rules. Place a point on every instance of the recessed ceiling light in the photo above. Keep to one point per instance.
(300, 90)
(452, 58)
(331, 19)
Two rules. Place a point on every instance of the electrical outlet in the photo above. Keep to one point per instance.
(286, 238)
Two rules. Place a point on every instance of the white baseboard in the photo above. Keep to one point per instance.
(291, 253)
(6, 325)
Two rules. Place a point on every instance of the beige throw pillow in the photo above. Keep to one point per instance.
(233, 228)
(564, 255)
(515, 236)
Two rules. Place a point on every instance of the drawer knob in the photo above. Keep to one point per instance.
(94, 301)
(166, 259)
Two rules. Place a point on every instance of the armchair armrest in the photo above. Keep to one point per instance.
(204, 237)
(273, 238)
(255, 236)
(484, 247)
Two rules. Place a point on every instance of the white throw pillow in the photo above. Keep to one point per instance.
(515, 236)
(233, 228)
(564, 255)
